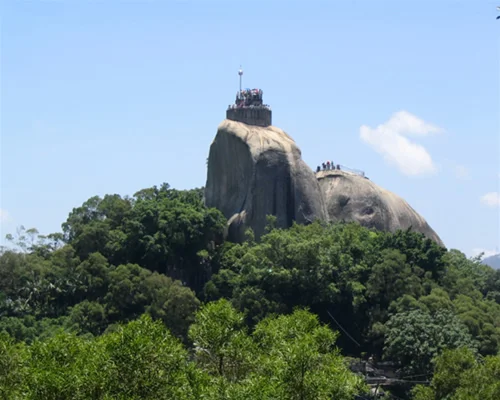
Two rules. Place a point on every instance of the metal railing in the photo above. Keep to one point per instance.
(352, 170)
(340, 167)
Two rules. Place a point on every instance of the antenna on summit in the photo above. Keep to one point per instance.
(240, 73)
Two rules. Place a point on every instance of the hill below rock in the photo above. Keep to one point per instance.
(492, 261)
(256, 171)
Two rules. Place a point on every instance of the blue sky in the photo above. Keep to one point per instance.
(112, 97)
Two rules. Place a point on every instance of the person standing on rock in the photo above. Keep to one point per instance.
(328, 165)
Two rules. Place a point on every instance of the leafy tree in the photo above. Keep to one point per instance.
(391, 278)
(301, 356)
(133, 290)
(415, 338)
(12, 368)
(88, 317)
(147, 362)
(459, 375)
(221, 343)
(41, 295)
(482, 318)
(66, 366)
(171, 302)
(160, 229)
(29, 328)
(289, 357)
(421, 253)
(437, 300)
(461, 269)
(295, 350)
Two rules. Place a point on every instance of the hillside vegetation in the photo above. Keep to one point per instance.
(140, 298)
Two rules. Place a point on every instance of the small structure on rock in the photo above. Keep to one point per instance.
(249, 107)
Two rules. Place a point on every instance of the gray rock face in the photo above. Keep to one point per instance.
(256, 171)
(351, 197)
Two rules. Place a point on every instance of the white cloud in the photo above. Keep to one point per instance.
(389, 140)
(491, 199)
(487, 253)
(403, 122)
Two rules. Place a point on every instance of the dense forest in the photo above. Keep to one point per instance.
(141, 298)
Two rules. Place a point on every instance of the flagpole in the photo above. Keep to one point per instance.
(240, 73)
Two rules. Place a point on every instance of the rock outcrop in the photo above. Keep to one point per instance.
(256, 171)
(351, 197)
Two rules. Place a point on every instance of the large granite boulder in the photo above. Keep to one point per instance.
(351, 197)
(256, 171)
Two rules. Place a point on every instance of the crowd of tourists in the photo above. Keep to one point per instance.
(249, 98)
(328, 165)
(242, 105)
